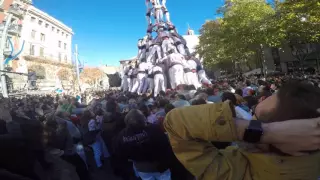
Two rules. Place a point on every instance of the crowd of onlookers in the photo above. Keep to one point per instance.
(60, 137)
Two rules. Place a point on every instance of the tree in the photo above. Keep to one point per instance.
(64, 74)
(247, 26)
(91, 75)
(300, 21)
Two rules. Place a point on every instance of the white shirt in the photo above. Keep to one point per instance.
(242, 114)
(156, 68)
(143, 66)
(192, 64)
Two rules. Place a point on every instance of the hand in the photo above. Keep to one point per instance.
(294, 136)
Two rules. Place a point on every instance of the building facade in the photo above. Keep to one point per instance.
(46, 37)
(46, 45)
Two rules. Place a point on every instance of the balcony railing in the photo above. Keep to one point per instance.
(15, 29)
(16, 10)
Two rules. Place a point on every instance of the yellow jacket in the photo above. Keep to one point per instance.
(191, 130)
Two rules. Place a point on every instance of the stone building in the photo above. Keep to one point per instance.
(46, 48)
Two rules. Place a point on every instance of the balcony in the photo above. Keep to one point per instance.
(17, 11)
(15, 29)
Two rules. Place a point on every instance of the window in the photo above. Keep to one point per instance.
(52, 28)
(42, 37)
(58, 31)
(41, 51)
(33, 19)
(65, 46)
(40, 22)
(59, 44)
(67, 36)
(65, 58)
(47, 25)
(62, 33)
(33, 34)
(59, 57)
(31, 49)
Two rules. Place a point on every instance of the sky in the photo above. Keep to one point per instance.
(107, 31)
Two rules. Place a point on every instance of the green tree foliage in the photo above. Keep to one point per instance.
(247, 25)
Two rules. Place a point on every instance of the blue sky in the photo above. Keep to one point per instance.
(107, 31)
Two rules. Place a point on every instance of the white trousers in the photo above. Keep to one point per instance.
(148, 85)
(130, 83)
(135, 85)
(191, 78)
(158, 84)
(159, 15)
(166, 13)
(152, 54)
(203, 77)
(141, 54)
(181, 49)
(176, 75)
(125, 83)
(142, 78)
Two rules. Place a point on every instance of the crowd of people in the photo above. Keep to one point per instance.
(185, 133)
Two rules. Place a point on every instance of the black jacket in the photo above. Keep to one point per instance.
(144, 145)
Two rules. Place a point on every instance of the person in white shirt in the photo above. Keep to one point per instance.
(135, 81)
(142, 76)
(174, 62)
(158, 80)
(125, 78)
(149, 83)
(191, 77)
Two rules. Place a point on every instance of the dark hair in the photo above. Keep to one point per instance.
(210, 91)
(297, 100)
(181, 96)
(162, 103)
(229, 96)
(135, 119)
(144, 109)
(239, 92)
(162, 93)
(85, 118)
(111, 106)
(198, 102)
(168, 108)
(248, 83)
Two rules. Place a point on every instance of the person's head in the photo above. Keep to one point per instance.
(248, 83)
(86, 117)
(135, 119)
(203, 96)
(180, 97)
(111, 106)
(162, 102)
(144, 109)
(210, 91)
(239, 92)
(229, 96)
(294, 100)
(198, 102)
(168, 107)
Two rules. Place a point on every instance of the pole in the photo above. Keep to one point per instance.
(77, 66)
(2, 46)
